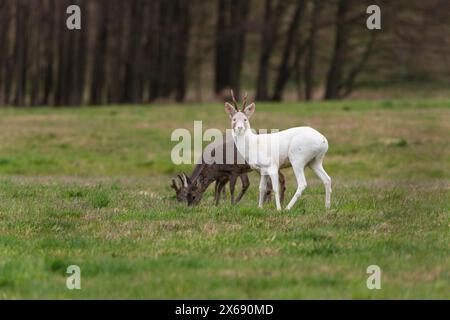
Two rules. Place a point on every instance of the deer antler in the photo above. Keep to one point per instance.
(174, 185)
(234, 100)
(182, 181)
(185, 180)
(235, 104)
(244, 102)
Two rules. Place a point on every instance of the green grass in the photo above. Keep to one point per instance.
(90, 187)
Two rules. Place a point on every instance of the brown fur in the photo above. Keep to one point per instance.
(204, 174)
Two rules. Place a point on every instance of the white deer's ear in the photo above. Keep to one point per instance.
(230, 109)
(248, 111)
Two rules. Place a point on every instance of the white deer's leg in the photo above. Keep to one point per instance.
(262, 189)
(318, 169)
(301, 182)
(276, 189)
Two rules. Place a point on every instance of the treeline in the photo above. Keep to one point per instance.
(126, 52)
(139, 51)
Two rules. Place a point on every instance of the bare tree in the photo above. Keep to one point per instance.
(334, 76)
(341, 74)
(231, 30)
(311, 53)
(292, 40)
(269, 39)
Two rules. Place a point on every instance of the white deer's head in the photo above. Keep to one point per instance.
(239, 119)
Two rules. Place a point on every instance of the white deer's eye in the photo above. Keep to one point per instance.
(234, 120)
(245, 120)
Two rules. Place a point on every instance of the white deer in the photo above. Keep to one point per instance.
(267, 153)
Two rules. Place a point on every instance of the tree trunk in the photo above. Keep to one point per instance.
(334, 77)
(238, 19)
(182, 42)
(311, 54)
(348, 84)
(285, 67)
(99, 57)
(230, 43)
(269, 37)
(20, 53)
(222, 50)
(4, 49)
(48, 55)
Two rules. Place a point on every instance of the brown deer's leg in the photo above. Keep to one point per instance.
(282, 181)
(233, 179)
(215, 188)
(245, 184)
(224, 193)
(219, 190)
(216, 192)
(268, 194)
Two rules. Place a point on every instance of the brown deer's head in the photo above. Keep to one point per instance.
(187, 190)
(181, 188)
(195, 192)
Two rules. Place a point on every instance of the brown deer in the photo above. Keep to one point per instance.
(191, 189)
(181, 188)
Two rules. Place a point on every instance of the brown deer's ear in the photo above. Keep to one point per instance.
(230, 109)
(248, 111)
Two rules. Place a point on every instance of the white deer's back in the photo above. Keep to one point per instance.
(276, 149)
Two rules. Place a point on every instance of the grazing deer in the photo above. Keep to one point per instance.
(192, 188)
(185, 186)
(297, 147)
(180, 190)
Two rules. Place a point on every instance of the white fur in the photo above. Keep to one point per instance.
(297, 147)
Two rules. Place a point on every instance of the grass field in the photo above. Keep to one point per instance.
(90, 187)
